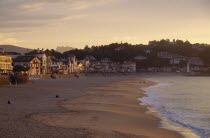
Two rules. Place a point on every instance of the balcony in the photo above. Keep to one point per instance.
(7, 61)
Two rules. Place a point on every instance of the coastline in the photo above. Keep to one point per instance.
(166, 123)
(93, 106)
(108, 111)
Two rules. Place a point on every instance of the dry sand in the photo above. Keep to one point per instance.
(94, 106)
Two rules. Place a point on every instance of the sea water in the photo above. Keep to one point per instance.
(183, 103)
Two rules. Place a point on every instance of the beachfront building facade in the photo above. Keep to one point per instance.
(32, 62)
(5, 63)
(73, 64)
(64, 67)
(108, 66)
(55, 65)
(45, 60)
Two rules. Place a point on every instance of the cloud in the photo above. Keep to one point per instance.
(32, 6)
(8, 39)
(33, 13)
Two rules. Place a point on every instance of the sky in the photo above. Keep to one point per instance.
(76, 23)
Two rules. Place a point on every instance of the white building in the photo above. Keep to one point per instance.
(165, 55)
(129, 66)
(105, 60)
(73, 65)
(139, 58)
(195, 61)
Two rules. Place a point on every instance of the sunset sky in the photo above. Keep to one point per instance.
(76, 23)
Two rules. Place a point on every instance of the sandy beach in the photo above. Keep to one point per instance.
(92, 106)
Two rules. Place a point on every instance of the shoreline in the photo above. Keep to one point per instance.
(165, 122)
(83, 112)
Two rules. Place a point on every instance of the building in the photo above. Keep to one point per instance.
(33, 62)
(83, 65)
(128, 66)
(140, 58)
(64, 67)
(195, 61)
(148, 51)
(73, 64)
(174, 59)
(177, 59)
(89, 58)
(55, 65)
(165, 55)
(105, 60)
(45, 57)
(5, 63)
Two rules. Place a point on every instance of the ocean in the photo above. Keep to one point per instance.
(182, 102)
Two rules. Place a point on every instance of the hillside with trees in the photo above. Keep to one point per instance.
(120, 52)
(124, 49)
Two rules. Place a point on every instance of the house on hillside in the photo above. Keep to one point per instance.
(177, 59)
(105, 60)
(174, 59)
(165, 55)
(148, 51)
(33, 62)
(195, 61)
(140, 58)
(90, 58)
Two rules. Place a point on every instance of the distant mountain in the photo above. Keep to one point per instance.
(63, 49)
(11, 48)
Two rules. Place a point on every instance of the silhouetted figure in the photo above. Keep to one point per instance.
(53, 76)
(57, 96)
(10, 102)
(76, 76)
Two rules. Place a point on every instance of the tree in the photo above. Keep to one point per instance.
(205, 56)
(19, 69)
(182, 63)
(56, 54)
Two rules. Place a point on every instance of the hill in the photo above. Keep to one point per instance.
(11, 48)
(63, 49)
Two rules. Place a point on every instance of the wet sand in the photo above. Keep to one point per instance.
(94, 106)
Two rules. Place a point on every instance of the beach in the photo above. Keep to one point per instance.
(91, 106)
